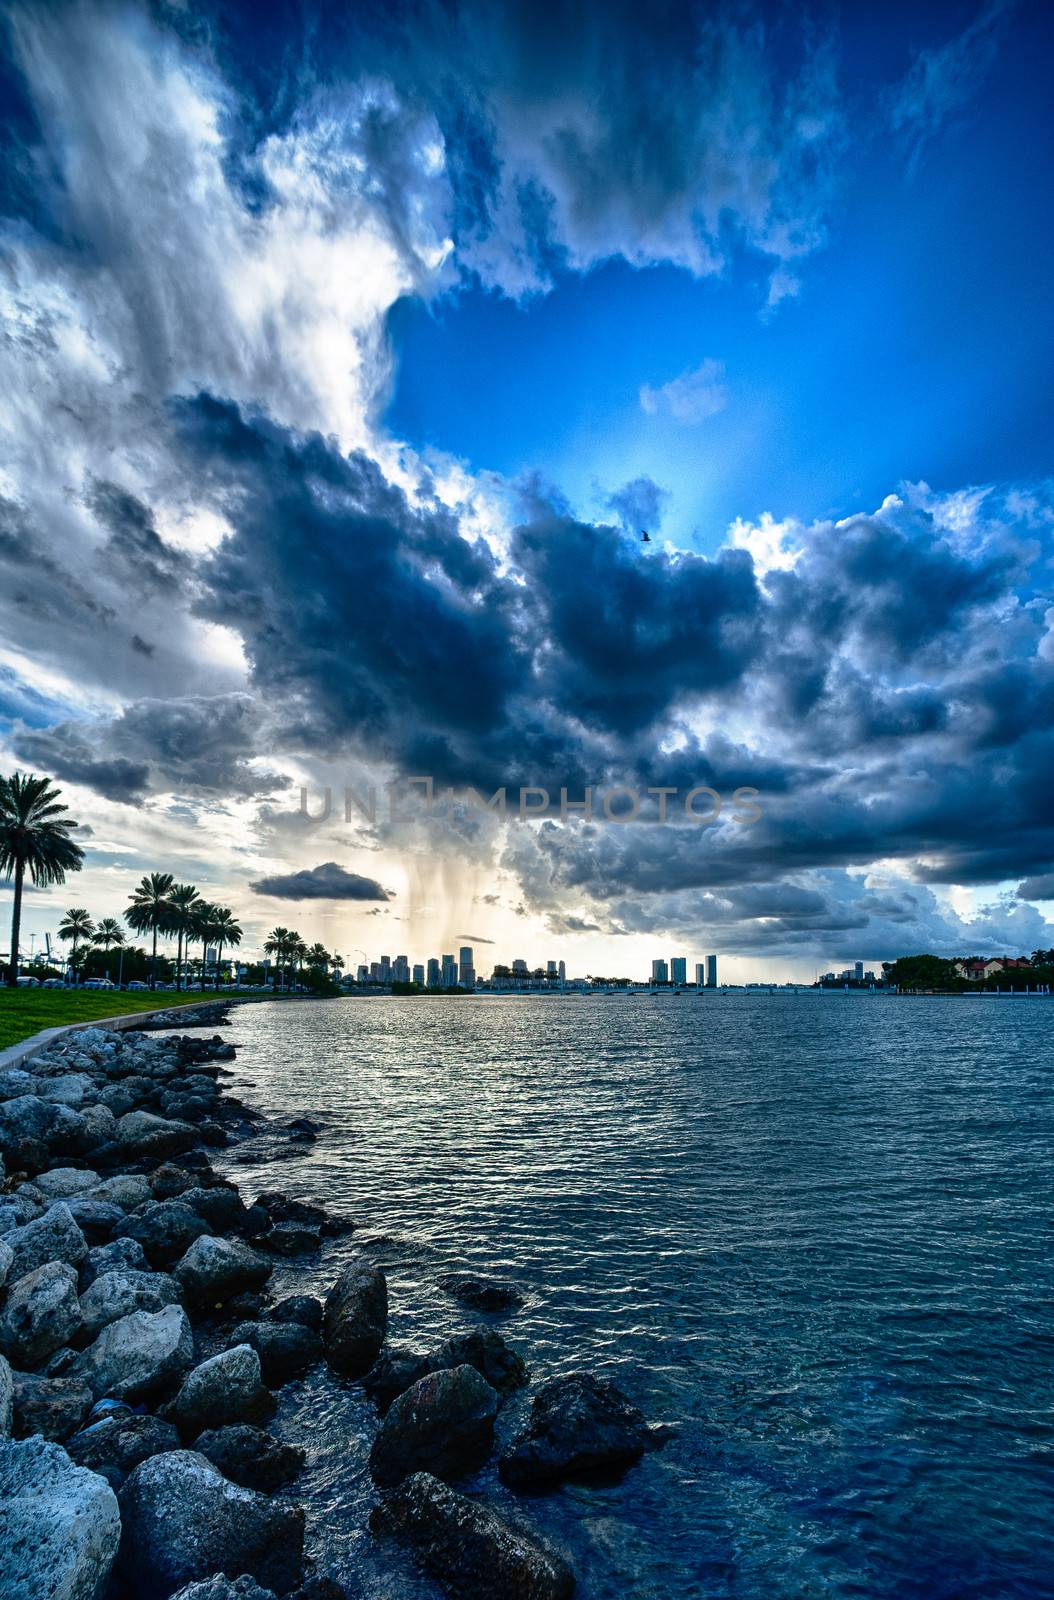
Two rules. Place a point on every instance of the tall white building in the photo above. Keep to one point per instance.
(660, 972)
(679, 970)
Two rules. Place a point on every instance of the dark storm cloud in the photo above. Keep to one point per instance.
(200, 745)
(638, 505)
(325, 882)
(1040, 888)
(134, 547)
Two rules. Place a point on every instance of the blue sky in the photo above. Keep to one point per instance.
(920, 345)
(330, 340)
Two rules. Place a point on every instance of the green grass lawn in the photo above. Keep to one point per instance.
(26, 1011)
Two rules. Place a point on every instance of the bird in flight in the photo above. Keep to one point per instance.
(645, 537)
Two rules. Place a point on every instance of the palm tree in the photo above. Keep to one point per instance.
(227, 931)
(297, 955)
(34, 838)
(336, 963)
(277, 944)
(75, 926)
(318, 956)
(185, 901)
(108, 936)
(206, 928)
(151, 909)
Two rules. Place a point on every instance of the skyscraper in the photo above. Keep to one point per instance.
(466, 972)
(401, 970)
(449, 972)
(434, 975)
(700, 974)
(711, 972)
(561, 972)
(419, 975)
(660, 972)
(679, 970)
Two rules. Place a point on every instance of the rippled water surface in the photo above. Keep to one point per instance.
(814, 1232)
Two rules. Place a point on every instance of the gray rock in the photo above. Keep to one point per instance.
(15, 1082)
(62, 1183)
(251, 1457)
(51, 1407)
(7, 1256)
(166, 1229)
(475, 1553)
(119, 1293)
(356, 1318)
(117, 1256)
(7, 1398)
(578, 1424)
(126, 1190)
(139, 1356)
(286, 1349)
(18, 1209)
(100, 1124)
(95, 1219)
(70, 1089)
(53, 1237)
(59, 1525)
(221, 1205)
(227, 1388)
(41, 1313)
(31, 1127)
(485, 1349)
(302, 1308)
(221, 1588)
(115, 1445)
(394, 1370)
(213, 1270)
(184, 1521)
(443, 1424)
(140, 1133)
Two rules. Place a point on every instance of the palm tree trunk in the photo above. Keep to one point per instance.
(16, 927)
(219, 958)
(73, 959)
(153, 962)
(179, 959)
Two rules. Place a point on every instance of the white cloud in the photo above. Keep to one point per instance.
(690, 398)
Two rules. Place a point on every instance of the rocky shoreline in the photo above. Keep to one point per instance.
(140, 1350)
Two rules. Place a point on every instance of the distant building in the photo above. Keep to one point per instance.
(700, 974)
(434, 973)
(561, 972)
(362, 973)
(858, 971)
(550, 969)
(679, 970)
(660, 973)
(519, 968)
(466, 972)
(384, 970)
(401, 970)
(711, 972)
(419, 975)
(449, 972)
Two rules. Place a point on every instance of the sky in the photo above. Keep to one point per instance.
(346, 352)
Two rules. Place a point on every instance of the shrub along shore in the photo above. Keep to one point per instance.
(141, 1348)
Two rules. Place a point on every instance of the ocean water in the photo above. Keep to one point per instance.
(812, 1232)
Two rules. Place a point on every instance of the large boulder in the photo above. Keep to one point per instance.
(226, 1388)
(302, 1308)
(7, 1256)
(251, 1457)
(356, 1318)
(68, 1089)
(51, 1407)
(120, 1255)
(468, 1547)
(116, 1444)
(578, 1424)
(140, 1133)
(53, 1237)
(166, 1229)
(286, 1349)
(221, 1206)
(184, 1521)
(215, 1269)
(7, 1398)
(394, 1370)
(41, 1313)
(126, 1190)
(139, 1356)
(63, 1183)
(485, 1349)
(95, 1219)
(31, 1129)
(443, 1424)
(117, 1294)
(59, 1525)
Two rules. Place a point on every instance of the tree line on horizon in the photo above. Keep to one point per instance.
(35, 842)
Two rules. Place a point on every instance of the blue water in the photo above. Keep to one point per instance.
(813, 1232)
